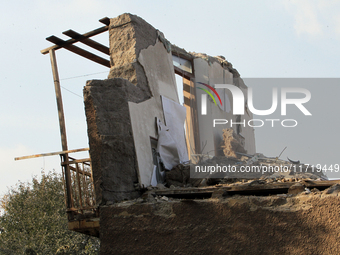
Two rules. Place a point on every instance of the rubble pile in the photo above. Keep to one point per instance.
(179, 176)
(295, 191)
(232, 143)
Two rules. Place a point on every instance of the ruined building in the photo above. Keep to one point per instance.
(136, 112)
(121, 110)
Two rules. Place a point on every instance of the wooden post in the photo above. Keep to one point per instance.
(192, 133)
(62, 129)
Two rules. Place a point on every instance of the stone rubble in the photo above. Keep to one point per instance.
(179, 176)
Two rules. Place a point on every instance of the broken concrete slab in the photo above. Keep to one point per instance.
(335, 189)
(232, 143)
(139, 59)
(156, 63)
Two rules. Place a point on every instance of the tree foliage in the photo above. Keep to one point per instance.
(35, 221)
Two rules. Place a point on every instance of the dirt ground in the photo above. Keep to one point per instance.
(280, 224)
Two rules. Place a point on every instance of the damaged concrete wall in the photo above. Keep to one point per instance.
(211, 71)
(129, 34)
(110, 135)
(158, 67)
(121, 111)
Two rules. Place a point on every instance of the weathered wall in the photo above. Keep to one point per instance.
(157, 64)
(306, 224)
(129, 34)
(110, 135)
(246, 131)
(121, 112)
(210, 71)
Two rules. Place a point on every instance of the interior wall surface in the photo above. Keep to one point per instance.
(212, 73)
(157, 64)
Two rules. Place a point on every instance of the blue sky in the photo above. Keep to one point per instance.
(262, 39)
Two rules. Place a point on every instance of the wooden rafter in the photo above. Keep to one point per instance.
(85, 39)
(78, 51)
(71, 41)
(67, 162)
(51, 154)
(105, 21)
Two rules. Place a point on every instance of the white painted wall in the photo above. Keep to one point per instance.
(157, 63)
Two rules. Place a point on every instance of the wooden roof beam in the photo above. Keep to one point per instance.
(51, 154)
(105, 21)
(97, 31)
(87, 41)
(183, 73)
(64, 44)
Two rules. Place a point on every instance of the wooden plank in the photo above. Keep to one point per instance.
(64, 185)
(79, 51)
(85, 189)
(183, 73)
(81, 171)
(59, 100)
(89, 42)
(93, 193)
(245, 187)
(79, 187)
(89, 227)
(71, 41)
(192, 129)
(315, 184)
(51, 154)
(181, 53)
(62, 126)
(105, 21)
(77, 161)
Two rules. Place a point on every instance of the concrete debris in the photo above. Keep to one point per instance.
(160, 186)
(232, 143)
(149, 197)
(253, 160)
(179, 176)
(315, 190)
(294, 162)
(164, 198)
(296, 189)
(335, 189)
